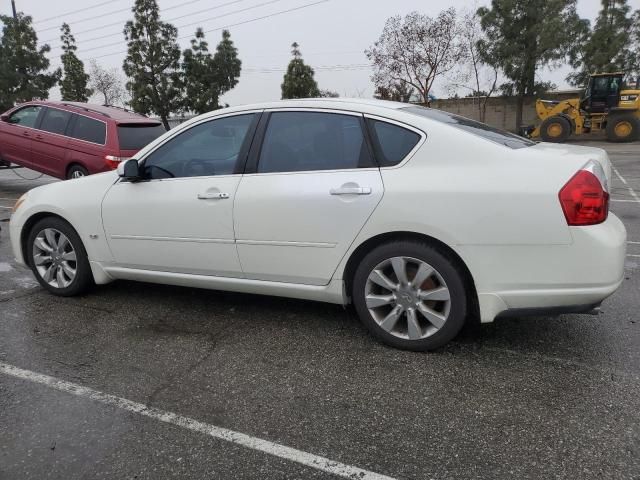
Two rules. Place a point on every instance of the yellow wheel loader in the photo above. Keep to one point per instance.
(605, 106)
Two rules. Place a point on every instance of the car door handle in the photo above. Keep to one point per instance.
(213, 196)
(26, 134)
(350, 191)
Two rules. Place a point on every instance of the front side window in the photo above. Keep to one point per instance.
(55, 121)
(89, 130)
(25, 117)
(304, 141)
(206, 149)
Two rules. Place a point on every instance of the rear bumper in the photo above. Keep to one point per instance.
(561, 278)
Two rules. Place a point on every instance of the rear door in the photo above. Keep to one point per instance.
(309, 192)
(49, 147)
(88, 137)
(17, 134)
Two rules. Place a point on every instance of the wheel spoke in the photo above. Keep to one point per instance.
(439, 294)
(381, 279)
(71, 272)
(62, 282)
(69, 256)
(413, 327)
(63, 241)
(48, 273)
(42, 245)
(51, 238)
(391, 320)
(424, 272)
(374, 301)
(41, 259)
(434, 318)
(399, 265)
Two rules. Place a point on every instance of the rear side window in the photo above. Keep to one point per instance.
(89, 130)
(480, 129)
(55, 121)
(392, 142)
(305, 141)
(135, 136)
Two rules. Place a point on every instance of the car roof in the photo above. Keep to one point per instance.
(119, 115)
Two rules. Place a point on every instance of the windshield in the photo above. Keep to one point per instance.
(480, 129)
(137, 135)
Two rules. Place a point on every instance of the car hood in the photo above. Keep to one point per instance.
(578, 153)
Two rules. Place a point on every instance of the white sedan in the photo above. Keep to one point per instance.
(421, 219)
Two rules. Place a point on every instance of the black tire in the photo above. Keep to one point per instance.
(444, 265)
(83, 276)
(555, 129)
(77, 171)
(623, 127)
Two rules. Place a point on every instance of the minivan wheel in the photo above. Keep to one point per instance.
(410, 295)
(77, 171)
(57, 257)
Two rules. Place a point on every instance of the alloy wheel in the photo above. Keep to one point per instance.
(54, 258)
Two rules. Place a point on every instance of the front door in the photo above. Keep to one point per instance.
(49, 147)
(180, 217)
(17, 135)
(314, 187)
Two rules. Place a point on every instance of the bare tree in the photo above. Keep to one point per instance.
(476, 76)
(107, 83)
(416, 51)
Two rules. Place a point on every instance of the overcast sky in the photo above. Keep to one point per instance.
(332, 34)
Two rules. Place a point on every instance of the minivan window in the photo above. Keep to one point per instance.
(480, 129)
(207, 149)
(304, 141)
(55, 121)
(89, 130)
(25, 117)
(134, 136)
(392, 142)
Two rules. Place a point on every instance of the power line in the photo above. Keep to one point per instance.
(128, 9)
(177, 18)
(74, 11)
(275, 14)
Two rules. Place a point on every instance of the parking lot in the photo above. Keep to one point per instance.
(147, 381)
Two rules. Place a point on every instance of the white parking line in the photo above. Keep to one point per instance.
(634, 256)
(6, 208)
(265, 446)
(622, 179)
(633, 243)
(616, 200)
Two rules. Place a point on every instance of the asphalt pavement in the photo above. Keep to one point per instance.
(141, 381)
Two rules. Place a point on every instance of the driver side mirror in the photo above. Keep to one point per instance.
(130, 170)
(4, 117)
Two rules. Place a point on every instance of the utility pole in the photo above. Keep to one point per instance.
(13, 6)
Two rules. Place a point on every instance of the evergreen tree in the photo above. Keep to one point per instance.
(209, 77)
(73, 86)
(23, 66)
(152, 62)
(525, 35)
(607, 47)
(299, 81)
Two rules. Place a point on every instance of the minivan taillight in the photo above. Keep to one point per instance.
(585, 199)
(113, 161)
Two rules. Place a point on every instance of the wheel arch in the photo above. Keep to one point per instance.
(28, 225)
(365, 247)
(71, 164)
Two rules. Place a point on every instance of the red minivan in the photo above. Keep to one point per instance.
(70, 139)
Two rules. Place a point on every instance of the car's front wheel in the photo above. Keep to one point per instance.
(410, 295)
(57, 257)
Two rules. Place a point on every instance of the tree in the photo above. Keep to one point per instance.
(107, 83)
(633, 52)
(524, 35)
(73, 86)
(606, 48)
(208, 77)
(23, 66)
(398, 92)
(328, 94)
(415, 51)
(152, 62)
(298, 81)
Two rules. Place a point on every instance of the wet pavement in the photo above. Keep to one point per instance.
(529, 398)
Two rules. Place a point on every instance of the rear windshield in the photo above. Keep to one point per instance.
(481, 129)
(137, 135)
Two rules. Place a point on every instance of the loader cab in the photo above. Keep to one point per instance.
(602, 93)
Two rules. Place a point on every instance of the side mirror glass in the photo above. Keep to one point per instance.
(129, 169)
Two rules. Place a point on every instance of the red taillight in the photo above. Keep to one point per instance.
(113, 161)
(584, 200)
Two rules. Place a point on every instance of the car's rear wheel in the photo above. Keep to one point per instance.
(57, 257)
(410, 295)
(77, 171)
